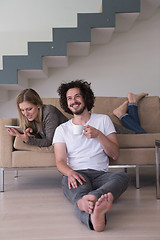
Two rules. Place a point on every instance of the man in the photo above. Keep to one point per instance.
(83, 159)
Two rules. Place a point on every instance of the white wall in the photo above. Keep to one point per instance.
(130, 62)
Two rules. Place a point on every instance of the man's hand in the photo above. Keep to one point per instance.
(91, 132)
(74, 178)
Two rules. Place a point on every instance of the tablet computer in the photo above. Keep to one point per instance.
(18, 128)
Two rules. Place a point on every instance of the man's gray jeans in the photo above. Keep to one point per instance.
(97, 183)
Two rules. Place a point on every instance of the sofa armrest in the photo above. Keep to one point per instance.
(6, 142)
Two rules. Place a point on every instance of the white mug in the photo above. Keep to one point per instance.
(78, 129)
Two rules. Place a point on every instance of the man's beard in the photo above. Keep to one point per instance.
(80, 111)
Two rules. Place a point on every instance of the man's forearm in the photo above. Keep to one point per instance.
(110, 147)
(63, 168)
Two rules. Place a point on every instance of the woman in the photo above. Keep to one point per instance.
(37, 120)
(127, 112)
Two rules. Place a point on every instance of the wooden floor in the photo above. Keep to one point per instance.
(33, 207)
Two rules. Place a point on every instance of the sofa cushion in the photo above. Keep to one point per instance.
(55, 102)
(32, 159)
(148, 109)
(137, 140)
(149, 114)
(138, 156)
(6, 142)
(122, 130)
(20, 145)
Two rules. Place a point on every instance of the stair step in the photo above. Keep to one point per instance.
(3, 94)
(148, 7)
(124, 21)
(78, 48)
(101, 35)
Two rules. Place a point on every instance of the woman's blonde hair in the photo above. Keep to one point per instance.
(31, 96)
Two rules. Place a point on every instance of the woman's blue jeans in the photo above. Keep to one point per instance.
(131, 119)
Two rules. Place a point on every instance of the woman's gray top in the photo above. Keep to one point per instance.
(51, 119)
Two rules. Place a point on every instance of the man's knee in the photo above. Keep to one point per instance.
(122, 177)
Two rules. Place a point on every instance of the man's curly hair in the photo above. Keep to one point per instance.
(86, 91)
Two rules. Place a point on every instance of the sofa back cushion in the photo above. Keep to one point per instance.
(148, 108)
(55, 102)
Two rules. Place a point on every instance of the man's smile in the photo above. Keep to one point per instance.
(75, 105)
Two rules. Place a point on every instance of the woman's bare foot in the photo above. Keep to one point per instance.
(122, 109)
(103, 205)
(135, 98)
(87, 203)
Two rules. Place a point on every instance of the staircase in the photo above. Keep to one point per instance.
(92, 28)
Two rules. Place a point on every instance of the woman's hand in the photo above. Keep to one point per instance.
(23, 136)
(29, 131)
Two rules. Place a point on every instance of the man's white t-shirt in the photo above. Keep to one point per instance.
(84, 153)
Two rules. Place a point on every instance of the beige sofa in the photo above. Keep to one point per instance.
(136, 150)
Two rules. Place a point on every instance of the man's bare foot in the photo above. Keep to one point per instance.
(87, 203)
(135, 98)
(103, 205)
(122, 109)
